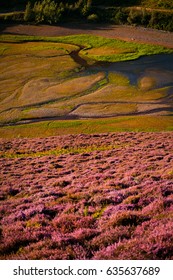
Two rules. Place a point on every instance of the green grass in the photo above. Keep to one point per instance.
(118, 124)
(118, 79)
(37, 48)
(60, 151)
(126, 50)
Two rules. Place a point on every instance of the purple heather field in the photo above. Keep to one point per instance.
(101, 196)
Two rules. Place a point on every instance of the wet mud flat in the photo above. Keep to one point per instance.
(147, 65)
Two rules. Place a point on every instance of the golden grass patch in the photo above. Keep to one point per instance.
(113, 93)
(108, 93)
(46, 111)
(36, 48)
(42, 90)
(51, 128)
(154, 94)
(104, 110)
(10, 115)
(146, 83)
(158, 109)
(19, 74)
(118, 79)
(74, 86)
(123, 93)
(25, 69)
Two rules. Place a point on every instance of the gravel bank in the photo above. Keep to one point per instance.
(129, 33)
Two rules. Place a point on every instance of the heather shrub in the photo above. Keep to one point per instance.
(84, 234)
(110, 198)
(111, 206)
(157, 238)
(168, 202)
(111, 236)
(65, 223)
(63, 183)
(168, 175)
(125, 218)
(14, 238)
(132, 199)
(153, 208)
(155, 246)
(148, 197)
(77, 252)
(42, 250)
(86, 222)
(111, 210)
(108, 252)
(60, 240)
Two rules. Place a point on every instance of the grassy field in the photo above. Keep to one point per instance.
(97, 47)
(63, 127)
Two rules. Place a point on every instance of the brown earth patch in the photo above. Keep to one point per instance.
(128, 33)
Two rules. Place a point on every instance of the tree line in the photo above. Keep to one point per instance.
(98, 11)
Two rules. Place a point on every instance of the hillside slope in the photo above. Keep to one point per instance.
(101, 196)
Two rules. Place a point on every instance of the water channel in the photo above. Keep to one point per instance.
(157, 66)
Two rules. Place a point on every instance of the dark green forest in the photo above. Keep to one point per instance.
(167, 4)
(149, 13)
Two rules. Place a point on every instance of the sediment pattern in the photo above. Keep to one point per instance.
(55, 81)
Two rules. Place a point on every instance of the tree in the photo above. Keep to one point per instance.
(28, 16)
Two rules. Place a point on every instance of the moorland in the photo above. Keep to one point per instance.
(86, 148)
(98, 196)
